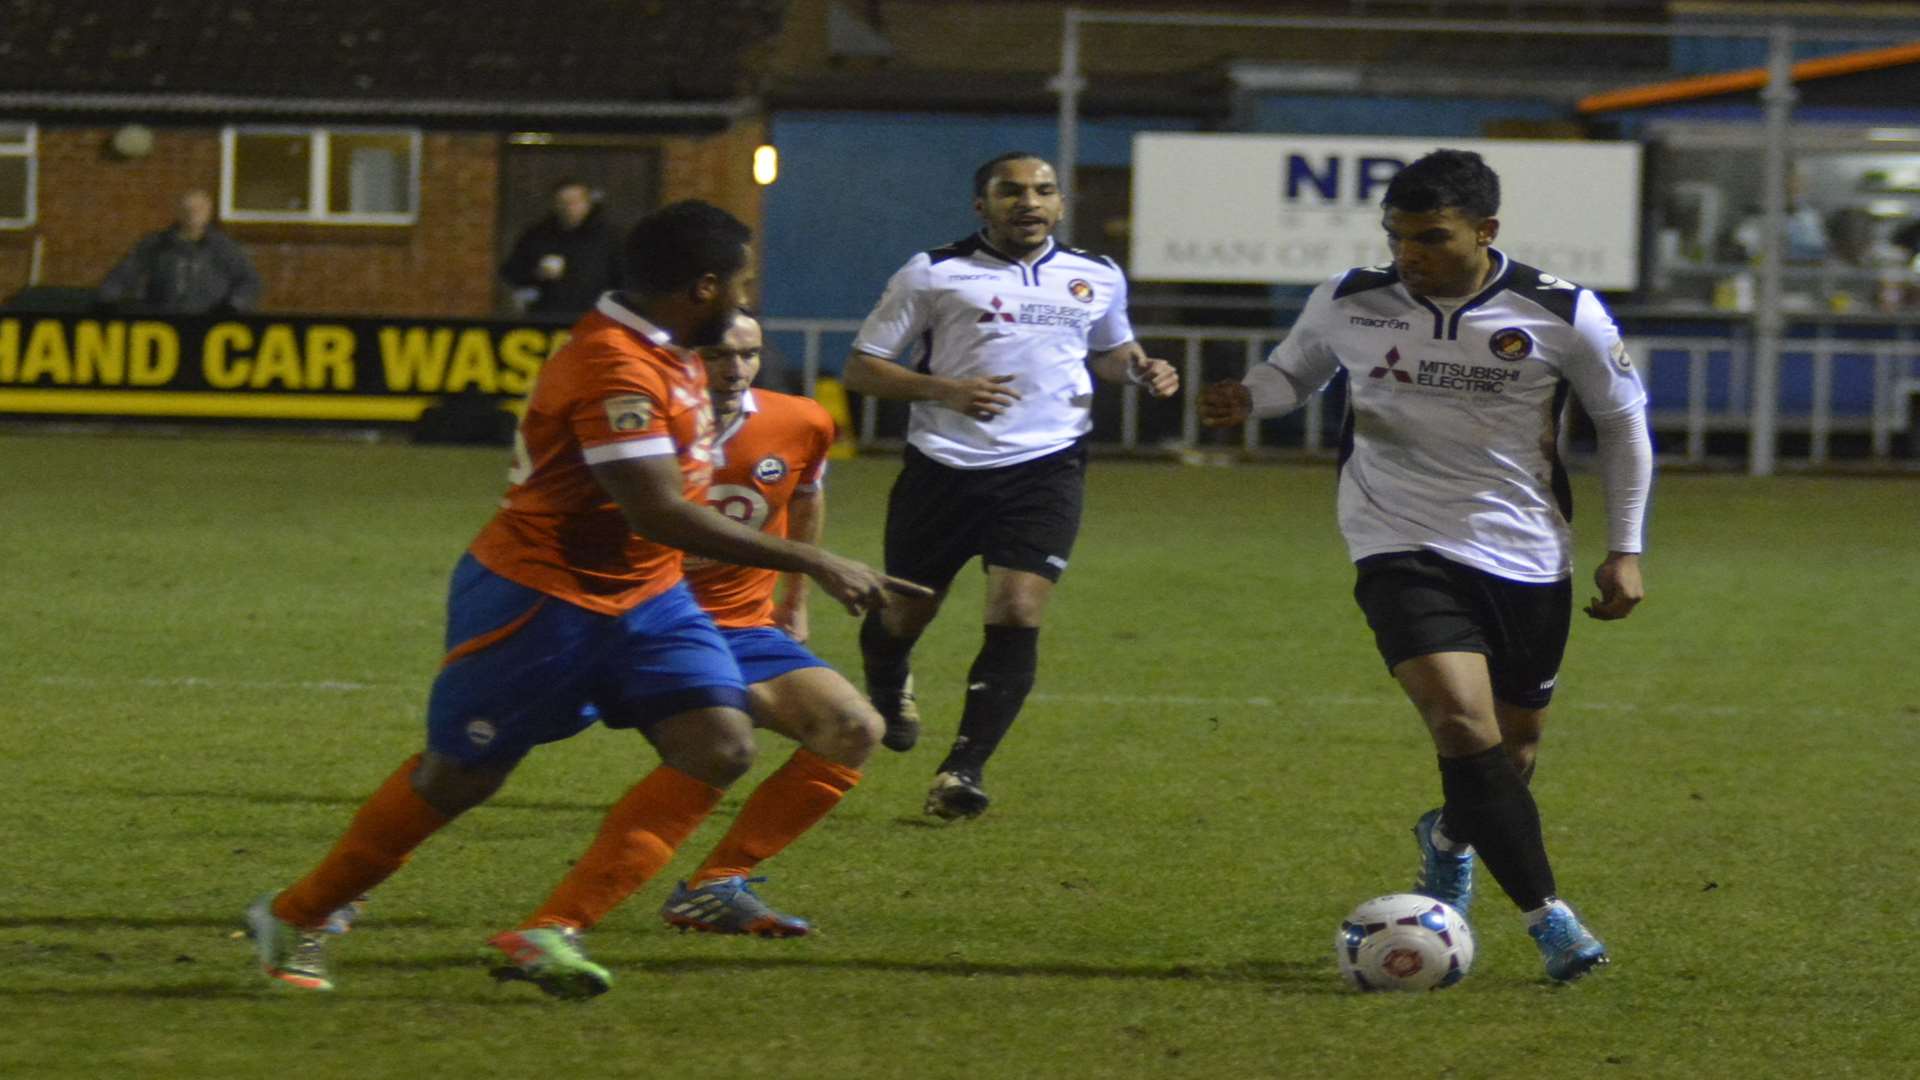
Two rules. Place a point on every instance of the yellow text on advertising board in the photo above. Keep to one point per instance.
(276, 356)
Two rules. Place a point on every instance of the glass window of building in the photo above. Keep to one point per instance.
(344, 176)
(19, 169)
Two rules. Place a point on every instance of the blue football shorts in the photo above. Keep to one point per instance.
(521, 665)
(764, 653)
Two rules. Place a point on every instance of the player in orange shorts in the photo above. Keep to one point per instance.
(770, 458)
(572, 595)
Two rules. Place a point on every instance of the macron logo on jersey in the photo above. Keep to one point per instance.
(1379, 324)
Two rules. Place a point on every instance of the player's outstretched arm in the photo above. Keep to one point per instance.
(648, 491)
(1130, 363)
(874, 376)
(1266, 391)
(1621, 590)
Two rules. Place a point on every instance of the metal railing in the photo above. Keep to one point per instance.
(1707, 403)
(1851, 387)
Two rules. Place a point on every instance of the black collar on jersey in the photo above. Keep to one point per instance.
(980, 241)
(1029, 271)
(1448, 327)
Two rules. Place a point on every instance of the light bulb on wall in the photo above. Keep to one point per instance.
(766, 165)
(132, 141)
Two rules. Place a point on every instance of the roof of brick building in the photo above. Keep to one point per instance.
(579, 51)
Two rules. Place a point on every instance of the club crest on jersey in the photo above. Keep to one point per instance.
(1081, 290)
(1617, 352)
(629, 413)
(770, 470)
(1511, 344)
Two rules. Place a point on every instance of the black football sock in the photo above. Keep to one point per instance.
(887, 659)
(1488, 805)
(997, 686)
(1450, 842)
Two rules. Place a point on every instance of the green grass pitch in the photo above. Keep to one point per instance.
(212, 649)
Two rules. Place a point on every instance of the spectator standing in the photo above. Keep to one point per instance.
(564, 261)
(190, 267)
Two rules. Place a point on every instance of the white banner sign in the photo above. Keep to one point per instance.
(1286, 209)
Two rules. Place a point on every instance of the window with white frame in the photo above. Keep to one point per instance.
(331, 176)
(19, 169)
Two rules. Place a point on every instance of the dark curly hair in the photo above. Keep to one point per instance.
(983, 175)
(1443, 179)
(678, 244)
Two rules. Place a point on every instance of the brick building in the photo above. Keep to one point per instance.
(369, 164)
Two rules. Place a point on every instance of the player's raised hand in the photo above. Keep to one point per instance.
(1618, 579)
(982, 399)
(859, 587)
(1225, 404)
(1159, 377)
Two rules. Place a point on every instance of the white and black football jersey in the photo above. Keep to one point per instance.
(967, 311)
(1453, 410)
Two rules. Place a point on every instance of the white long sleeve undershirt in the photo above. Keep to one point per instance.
(1626, 476)
(1275, 393)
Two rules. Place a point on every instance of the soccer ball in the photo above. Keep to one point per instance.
(1404, 941)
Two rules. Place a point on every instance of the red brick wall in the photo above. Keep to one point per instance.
(441, 265)
(717, 168)
(94, 205)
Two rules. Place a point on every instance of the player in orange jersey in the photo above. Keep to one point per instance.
(770, 458)
(572, 595)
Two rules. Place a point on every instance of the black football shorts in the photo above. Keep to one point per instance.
(1420, 603)
(1022, 517)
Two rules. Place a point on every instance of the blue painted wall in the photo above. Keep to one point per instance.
(860, 192)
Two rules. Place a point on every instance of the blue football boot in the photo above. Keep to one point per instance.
(729, 906)
(1444, 876)
(1569, 949)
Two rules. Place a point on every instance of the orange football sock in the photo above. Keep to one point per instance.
(378, 842)
(637, 840)
(786, 804)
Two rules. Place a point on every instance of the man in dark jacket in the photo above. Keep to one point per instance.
(191, 267)
(568, 258)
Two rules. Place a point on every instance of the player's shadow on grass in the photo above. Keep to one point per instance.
(203, 990)
(161, 922)
(1285, 976)
(1292, 975)
(116, 922)
(922, 822)
(254, 988)
(292, 798)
